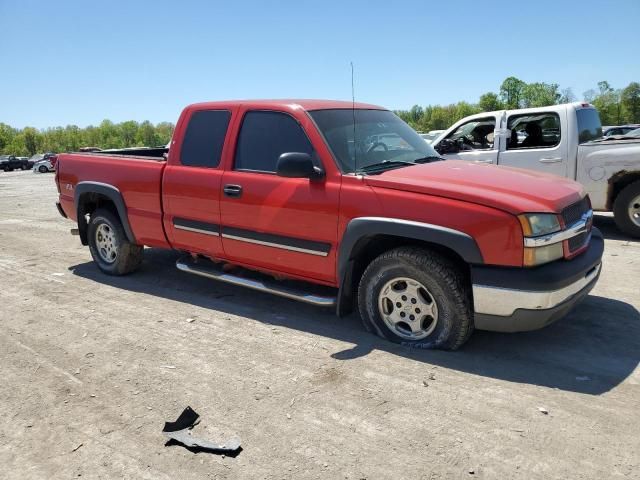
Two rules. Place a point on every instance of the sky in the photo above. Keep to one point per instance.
(79, 62)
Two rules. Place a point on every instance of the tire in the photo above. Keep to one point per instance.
(111, 250)
(447, 326)
(43, 169)
(626, 209)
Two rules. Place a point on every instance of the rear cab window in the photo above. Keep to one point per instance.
(204, 138)
(538, 130)
(264, 136)
(589, 126)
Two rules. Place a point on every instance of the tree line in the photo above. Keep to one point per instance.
(29, 141)
(616, 106)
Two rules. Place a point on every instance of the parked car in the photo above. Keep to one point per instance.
(630, 135)
(427, 249)
(43, 166)
(9, 163)
(44, 162)
(564, 140)
(621, 130)
(26, 161)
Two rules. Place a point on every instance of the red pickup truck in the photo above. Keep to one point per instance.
(342, 205)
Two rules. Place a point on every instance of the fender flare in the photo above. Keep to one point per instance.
(360, 228)
(113, 194)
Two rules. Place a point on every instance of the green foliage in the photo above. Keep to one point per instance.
(616, 107)
(490, 102)
(28, 141)
(630, 99)
(539, 94)
(511, 92)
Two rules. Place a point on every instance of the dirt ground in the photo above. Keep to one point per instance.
(92, 366)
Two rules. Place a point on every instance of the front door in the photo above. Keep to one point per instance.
(276, 223)
(474, 141)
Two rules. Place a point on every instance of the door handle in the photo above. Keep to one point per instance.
(550, 160)
(232, 190)
(488, 160)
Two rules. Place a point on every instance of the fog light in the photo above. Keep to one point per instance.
(534, 256)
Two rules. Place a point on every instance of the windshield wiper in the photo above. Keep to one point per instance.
(385, 163)
(429, 159)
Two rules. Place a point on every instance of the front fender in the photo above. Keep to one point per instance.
(360, 229)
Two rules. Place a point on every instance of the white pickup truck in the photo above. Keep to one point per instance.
(563, 140)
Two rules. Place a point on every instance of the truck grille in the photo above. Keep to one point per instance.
(571, 215)
(574, 212)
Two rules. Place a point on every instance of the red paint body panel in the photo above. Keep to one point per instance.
(138, 181)
(510, 189)
(479, 200)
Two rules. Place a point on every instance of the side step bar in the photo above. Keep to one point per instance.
(257, 281)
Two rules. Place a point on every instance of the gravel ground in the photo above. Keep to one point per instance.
(92, 367)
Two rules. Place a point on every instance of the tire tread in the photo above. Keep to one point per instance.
(429, 261)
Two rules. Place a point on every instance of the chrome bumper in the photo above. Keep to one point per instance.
(504, 302)
(521, 299)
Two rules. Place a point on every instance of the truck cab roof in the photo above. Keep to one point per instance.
(285, 104)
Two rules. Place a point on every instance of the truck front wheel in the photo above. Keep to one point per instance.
(626, 209)
(416, 297)
(111, 250)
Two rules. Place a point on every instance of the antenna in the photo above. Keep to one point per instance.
(353, 111)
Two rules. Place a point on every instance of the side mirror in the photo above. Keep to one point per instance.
(297, 165)
(447, 146)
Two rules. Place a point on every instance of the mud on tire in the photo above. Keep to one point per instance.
(111, 250)
(403, 280)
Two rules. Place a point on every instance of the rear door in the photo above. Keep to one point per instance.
(192, 183)
(474, 141)
(538, 141)
(275, 223)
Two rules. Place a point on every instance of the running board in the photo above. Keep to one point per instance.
(256, 281)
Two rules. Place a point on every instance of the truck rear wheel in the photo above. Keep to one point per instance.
(111, 250)
(416, 297)
(626, 209)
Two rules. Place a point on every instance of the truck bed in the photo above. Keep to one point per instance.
(137, 177)
(151, 153)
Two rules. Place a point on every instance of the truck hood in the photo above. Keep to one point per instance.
(513, 190)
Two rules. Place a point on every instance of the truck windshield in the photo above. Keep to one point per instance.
(382, 141)
(589, 126)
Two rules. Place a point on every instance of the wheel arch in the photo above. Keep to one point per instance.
(89, 196)
(619, 182)
(366, 238)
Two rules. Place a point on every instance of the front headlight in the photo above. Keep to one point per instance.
(536, 225)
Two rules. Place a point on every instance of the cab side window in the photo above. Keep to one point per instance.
(264, 136)
(204, 138)
(540, 130)
(474, 135)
